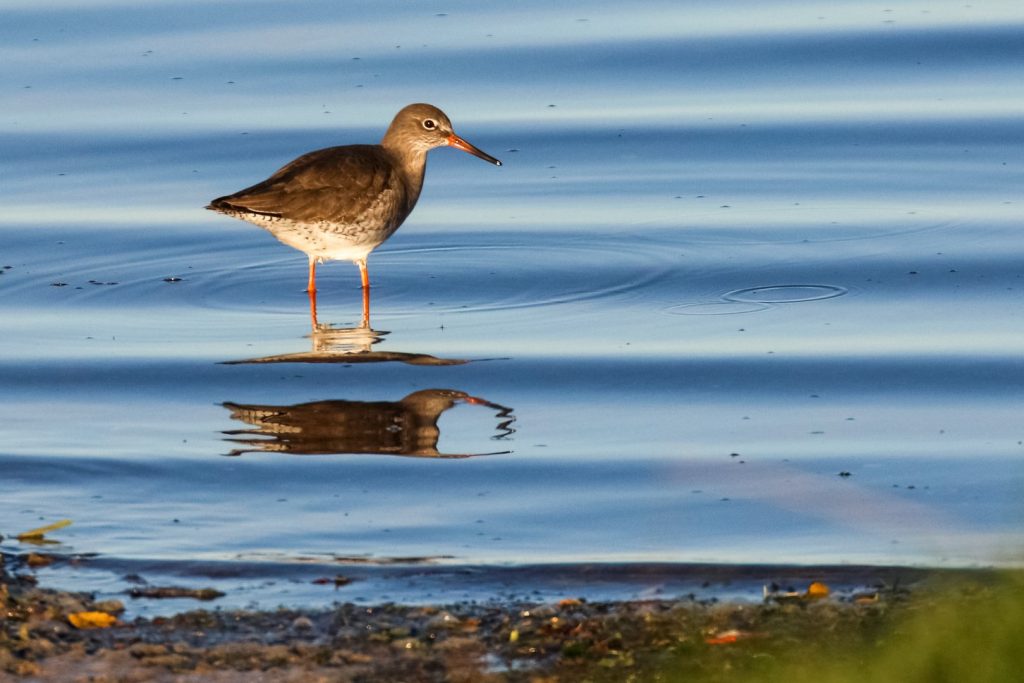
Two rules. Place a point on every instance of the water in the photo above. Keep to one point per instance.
(747, 290)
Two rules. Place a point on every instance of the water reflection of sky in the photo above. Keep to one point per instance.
(134, 66)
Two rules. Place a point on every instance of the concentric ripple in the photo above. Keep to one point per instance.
(784, 294)
(755, 299)
(492, 277)
(717, 308)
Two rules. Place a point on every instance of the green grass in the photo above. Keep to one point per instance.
(962, 634)
(959, 631)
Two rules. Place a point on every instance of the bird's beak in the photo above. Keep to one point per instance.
(458, 143)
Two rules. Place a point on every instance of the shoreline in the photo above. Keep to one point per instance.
(319, 583)
(569, 639)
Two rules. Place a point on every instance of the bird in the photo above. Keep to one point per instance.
(341, 203)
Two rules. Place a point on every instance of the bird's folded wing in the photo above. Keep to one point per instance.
(337, 184)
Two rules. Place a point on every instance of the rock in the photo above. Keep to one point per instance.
(303, 623)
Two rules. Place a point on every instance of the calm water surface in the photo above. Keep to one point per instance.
(748, 290)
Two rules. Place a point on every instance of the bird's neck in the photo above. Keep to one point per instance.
(412, 163)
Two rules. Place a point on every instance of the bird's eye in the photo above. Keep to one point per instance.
(430, 124)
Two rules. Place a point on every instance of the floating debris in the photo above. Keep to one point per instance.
(336, 581)
(168, 592)
(38, 560)
(39, 533)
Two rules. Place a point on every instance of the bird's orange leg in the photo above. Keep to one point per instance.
(311, 286)
(364, 276)
(312, 308)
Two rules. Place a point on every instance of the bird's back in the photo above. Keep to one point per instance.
(350, 185)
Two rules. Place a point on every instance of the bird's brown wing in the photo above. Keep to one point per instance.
(337, 184)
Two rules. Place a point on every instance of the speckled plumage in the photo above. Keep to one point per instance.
(343, 202)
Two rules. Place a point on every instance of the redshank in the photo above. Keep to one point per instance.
(341, 203)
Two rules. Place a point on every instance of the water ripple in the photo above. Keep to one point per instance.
(785, 294)
(756, 299)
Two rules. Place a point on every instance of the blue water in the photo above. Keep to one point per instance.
(735, 250)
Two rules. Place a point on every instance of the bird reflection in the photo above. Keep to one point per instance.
(365, 322)
(331, 344)
(405, 427)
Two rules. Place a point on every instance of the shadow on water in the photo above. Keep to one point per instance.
(404, 427)
(348, 345)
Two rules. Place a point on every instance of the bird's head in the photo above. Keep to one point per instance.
(422, 127)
